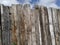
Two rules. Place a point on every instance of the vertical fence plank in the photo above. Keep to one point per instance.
(14, 25)
(51, 26)
(37, 25)
(41, 25)
(33, 28)
(27, 14)
(58, 17)
(47, 30)
(20, 26)
(55, 23)
(0, 24)
(43, 18)
(5, 26)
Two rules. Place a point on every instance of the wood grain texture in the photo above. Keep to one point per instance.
(21, 25)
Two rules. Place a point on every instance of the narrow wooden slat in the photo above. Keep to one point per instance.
(41, 25)
(13, 26)
(48, 35)
(57, 26)
(37, 26)
(59, 23)
(5, 26)
(44, 26)
(0, 25)
(33, 28)
(21, 25)
(27, 14)
(51, 26)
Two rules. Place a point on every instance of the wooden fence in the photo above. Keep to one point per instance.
(21, 25)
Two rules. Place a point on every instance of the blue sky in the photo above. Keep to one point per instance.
(31, 1)
(49, 3)
(58, 2)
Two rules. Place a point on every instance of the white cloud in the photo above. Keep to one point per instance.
(8, 2)
(54, 5)
(48, 3)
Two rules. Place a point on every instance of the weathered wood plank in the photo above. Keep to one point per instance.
(33, 28)
(45, 23)
(51, 26)
(37, 26)
(41, 25)
(22, 25)
(58, 32)
(47, 30)
(0, 25)
(27, 14)
(59, 24)
(13, 17)
(5, 26)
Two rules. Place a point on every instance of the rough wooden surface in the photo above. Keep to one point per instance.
(21, 25)
(5, 26)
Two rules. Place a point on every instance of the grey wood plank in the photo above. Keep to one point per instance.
(5, 26)
(51, 26)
